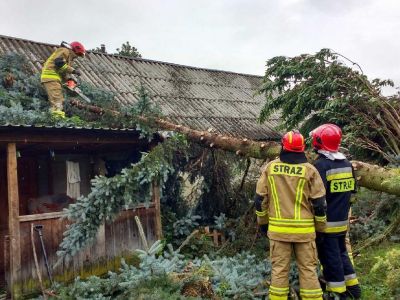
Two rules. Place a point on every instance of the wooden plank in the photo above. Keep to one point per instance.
(101, 242)
(135, 233)
(59, 214)
(28, 275)
(13, 214)
(156, 200)
(43, 216)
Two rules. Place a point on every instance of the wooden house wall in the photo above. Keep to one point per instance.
(115, 240)
(20, 181)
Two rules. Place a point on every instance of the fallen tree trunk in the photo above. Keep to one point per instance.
(244, 147)
(370, 176)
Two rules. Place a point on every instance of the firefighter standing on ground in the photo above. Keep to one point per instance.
(55, 71)
(290, 198)
(338, 177)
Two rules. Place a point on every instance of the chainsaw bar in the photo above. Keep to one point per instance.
(77, 91)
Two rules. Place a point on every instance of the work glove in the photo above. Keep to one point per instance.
(77, 72)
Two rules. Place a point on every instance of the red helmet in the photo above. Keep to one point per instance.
(326, 137)
(78, 48)
(293, 141)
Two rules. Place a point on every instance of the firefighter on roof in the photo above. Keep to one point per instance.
(290, 198)
(55, 71)
(338, 177)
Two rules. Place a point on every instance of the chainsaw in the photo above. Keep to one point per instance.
(72, 86)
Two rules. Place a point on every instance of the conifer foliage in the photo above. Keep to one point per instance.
(157, 277)
(109, 196)
(311, 89)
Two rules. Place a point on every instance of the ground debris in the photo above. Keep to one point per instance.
(194, 285)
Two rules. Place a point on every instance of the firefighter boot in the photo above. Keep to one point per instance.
(58, 114)
(337, 296)
(354, 291)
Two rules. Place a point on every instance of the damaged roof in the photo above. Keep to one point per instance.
(195, 97)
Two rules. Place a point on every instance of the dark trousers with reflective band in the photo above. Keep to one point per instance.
(337, 267)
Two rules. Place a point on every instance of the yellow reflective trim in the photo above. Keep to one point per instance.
(301, 221)
(48, 60)
(280, 289)
(337, 289)
(339, 176)
(351, 258)
(50, 74)
(311, 294)
(278, 293)
(261, 213)
(299, 198)
(275, 297)
(64, 67)
(275, 197)
(336, 229)
(352, 282)
(311, 291)
(56, 77)
(303, 297)
(291, 230)
(342, 185)
(292, 222)
(320, 219)
(287, 169)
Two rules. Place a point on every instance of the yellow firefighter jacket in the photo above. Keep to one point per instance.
(58, 65)
(287, 191)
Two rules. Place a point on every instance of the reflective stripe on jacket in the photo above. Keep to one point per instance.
(51, 72)
(287, 190)
(340, 183)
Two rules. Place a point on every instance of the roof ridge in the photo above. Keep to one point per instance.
(141, 59)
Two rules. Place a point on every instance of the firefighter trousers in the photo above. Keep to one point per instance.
(306, 258)
(338, 269)
(55, 94)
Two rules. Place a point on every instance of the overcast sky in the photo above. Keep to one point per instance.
(233, 35)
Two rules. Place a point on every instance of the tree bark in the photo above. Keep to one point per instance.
(370, 176)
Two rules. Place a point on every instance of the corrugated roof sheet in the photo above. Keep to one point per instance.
(87, 127)
(195, 97)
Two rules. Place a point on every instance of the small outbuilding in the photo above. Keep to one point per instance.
(44, 169)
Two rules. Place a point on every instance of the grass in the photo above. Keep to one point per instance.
(373, 284)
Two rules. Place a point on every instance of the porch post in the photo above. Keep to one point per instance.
(13, 221)
(156, 199)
